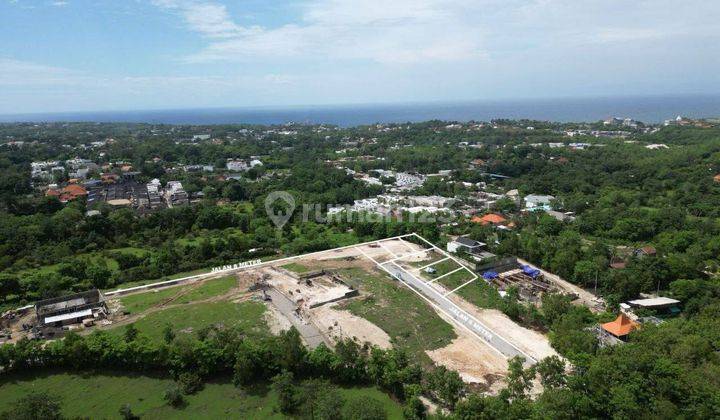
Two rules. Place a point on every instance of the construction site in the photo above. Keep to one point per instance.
(532, 282)
(400, 291)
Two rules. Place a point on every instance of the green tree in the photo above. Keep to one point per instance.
(519, 380)
(320, 400)
(168, 333)
(126, 412)
(174, 396)
(446, 385)
(552, 372)
(364, 408)
(283, 384)
(131, 333)
(34, 406)
(414, 409)
(9, 285)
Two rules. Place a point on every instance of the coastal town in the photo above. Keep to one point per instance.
(487, 239)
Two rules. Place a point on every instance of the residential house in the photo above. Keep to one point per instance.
(237, 166)
(660, 305)
(490, 219)
(69, 193)
(538, 202)
(464, 244)
(646, 251)
(175, 194)
(621, 327)
(563, 217)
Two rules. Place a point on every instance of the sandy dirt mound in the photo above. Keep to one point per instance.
(531, 342)
(339, 323)
(475, 362)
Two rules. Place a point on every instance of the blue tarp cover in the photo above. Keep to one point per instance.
(530, 271)
(489, 275)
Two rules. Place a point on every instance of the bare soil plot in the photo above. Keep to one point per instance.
(531, 342)
(474, 361)
(341, 324)
(410, 322)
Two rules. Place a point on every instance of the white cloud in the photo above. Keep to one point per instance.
(27, 86)
(437, 31)
(19, 73)
(399, 31)
(59, 3)
(340, 51)
(210, 19)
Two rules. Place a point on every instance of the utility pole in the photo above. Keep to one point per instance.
(596, 279)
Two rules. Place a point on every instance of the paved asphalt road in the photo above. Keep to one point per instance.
(459, 315)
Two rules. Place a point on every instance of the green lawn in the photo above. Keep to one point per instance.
(191, 318)
(478, 292)
(99, 257)
(481, 294)
(296, 267)
(452, 281)
(400, 312)
(102, 395)
(441, 268)
(91, 257)
(138, 252)
(141, 301)
(185, 274)
(456, 279)
(209, 289)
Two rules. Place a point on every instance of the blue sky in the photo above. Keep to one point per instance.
(83, 55)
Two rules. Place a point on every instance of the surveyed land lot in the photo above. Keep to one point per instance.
(402, 292)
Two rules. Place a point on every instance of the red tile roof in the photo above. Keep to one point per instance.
(492, 218)
(69, 193)
(621, 327)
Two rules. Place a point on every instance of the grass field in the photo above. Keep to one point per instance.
(141, 301)
(481, 294)
(296, 267)
(191, 318)
(441, 268)
(478, 292)
(208, 289)
(405, 317)
(102, 395)
(99, 257)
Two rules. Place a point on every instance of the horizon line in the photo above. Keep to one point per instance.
(339, 105)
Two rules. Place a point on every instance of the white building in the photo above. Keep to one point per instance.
(538, 202)
(237, 166)
(464, 244)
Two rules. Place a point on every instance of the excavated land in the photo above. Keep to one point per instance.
(313, 293)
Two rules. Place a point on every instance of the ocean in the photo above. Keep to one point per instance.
(651, 109)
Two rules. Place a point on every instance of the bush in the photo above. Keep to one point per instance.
(126, 412)
(364, 408)
(190, 383)
(36, 405)
(173, 396)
